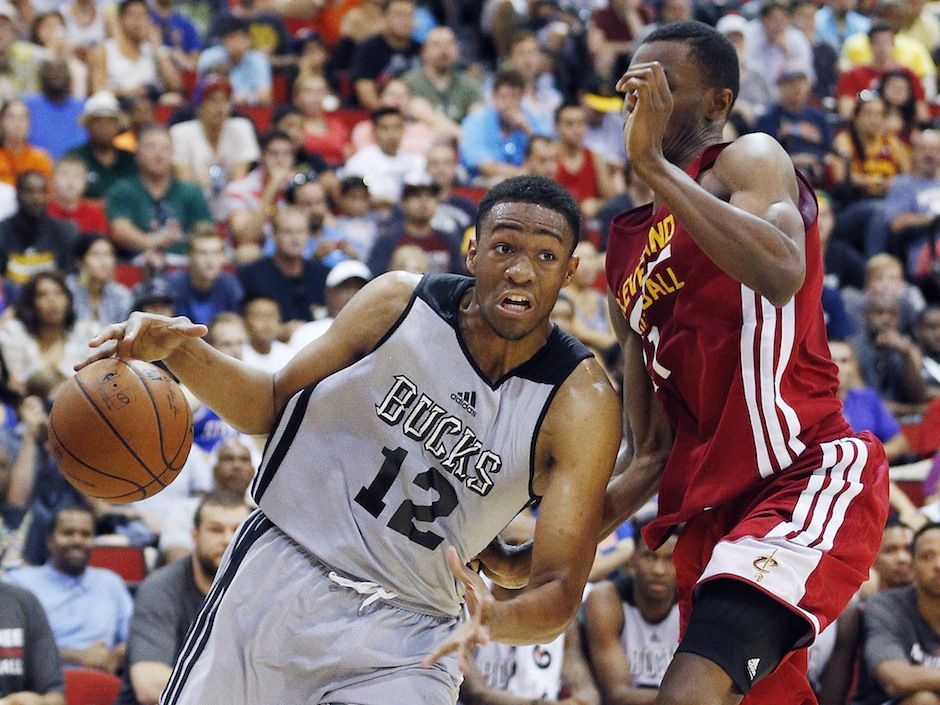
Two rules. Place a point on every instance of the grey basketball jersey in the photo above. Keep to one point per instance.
(650, 647)
(382, 465)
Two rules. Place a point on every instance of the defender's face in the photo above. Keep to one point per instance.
(521, 260)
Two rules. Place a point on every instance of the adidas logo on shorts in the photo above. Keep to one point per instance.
(467, 401)
(752, 664)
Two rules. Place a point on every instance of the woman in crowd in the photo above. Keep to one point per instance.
(16, 154)
(95, 295)
(45, 335)
(903, 112)
(323, 134)
(49, 32)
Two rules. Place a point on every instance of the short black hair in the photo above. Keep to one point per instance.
(85, 242)
(274, 135)
(385, 111)
(124, 4)
(509, 77)
(929, 526)
(716, 57)
(532, 189)
(536, 140)
(54, 521)
(231, 25)
(879, 26)
(227, 499)
(567, 105)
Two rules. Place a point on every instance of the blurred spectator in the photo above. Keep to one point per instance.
(177, 34)
(311, 53)
(384, 164)
(494, 138)
(19, 60)
(266, 29)
(758, 90)
(604, 127)
(856, 79)
(54, 113)
(216, 148)
(295, 283)
(884, 276)
(327, 244)
(889, 361)
(32, 241)
(252, 200)
(423, 124)
(133, 61)
(418, 204)
(151, 213)
(612, 32)
(342, 283)
(140, 114)
(857, 49)
(901, 639)
(454, 213)
(89, 609)
(44, 334)
(21, 535)
(86, 23)
(170, 598)
(844, 265)
(837, 20)
(232, 472)
(227, 334)
(324, 134)
(590, 321)
(69, 181)
(802, 129)
(927, 334)
(438, 80)
(409, 258)
(357, 222)
(541, 157)
(921, 24)
(155, 295)
(263, 322)
(912, 206)
(775, 45)
(290, 120)
(632, 627)
(106, 163)
(96, 296)
(16, 154)
(49, 32)
(861, 405)
(585, 174)
(32, 671)
(390, 53)
(204, 290)
(903, 112)
(248, 70)
(825, 55)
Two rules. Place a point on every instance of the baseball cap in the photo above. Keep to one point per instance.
(101, 104)
(153, 291)
(214, 82)
(729, 24)
(416, 181)
(346, 270)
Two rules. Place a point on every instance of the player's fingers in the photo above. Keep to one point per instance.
(101, 354)
(457, 568)
(113, 332)
(633, 75)
(441, 651)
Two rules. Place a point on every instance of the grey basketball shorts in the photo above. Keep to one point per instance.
(276, 629)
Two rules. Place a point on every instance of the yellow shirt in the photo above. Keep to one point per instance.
(926, 30)
(907, 52)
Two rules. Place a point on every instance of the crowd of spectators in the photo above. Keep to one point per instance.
(251, 164)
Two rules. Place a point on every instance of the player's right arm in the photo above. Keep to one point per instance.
(646, 429)
(603, 622)
(247, 398)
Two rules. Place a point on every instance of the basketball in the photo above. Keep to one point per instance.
(120, 430)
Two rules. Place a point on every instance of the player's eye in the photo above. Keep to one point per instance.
(547, 256)
(502, 248)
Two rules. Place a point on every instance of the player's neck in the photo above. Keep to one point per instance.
(653, 611)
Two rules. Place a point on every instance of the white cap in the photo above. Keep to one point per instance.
(102, 104)
(730, 24)
(345, 270)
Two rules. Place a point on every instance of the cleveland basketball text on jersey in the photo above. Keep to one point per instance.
(428, 422)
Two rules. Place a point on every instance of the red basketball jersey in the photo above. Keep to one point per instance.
(747, 386)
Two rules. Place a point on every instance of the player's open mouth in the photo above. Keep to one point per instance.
(515, 305)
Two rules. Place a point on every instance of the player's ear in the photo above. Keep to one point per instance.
(718, 103)
(472, 254)
(573, 263)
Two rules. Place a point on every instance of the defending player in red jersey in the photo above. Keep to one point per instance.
(730, 393)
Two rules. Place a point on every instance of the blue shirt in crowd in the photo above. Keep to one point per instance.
(55, 127)
(483, 140)
(865, 411)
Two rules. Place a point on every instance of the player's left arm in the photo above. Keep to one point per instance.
(744, 214)
(575, 456)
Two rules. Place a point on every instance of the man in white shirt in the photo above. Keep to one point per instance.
(263, 321)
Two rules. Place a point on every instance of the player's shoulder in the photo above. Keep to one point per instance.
(586, 401)
(755, 162)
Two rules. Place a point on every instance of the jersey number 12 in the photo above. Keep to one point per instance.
(372, 499)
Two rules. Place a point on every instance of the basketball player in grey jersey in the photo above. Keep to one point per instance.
(401, 442)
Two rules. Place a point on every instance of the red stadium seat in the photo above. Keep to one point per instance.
(471, 193)
(350, 117)
(128, 275)
(260, 115)
(280, 89)
(126, 561)
(87, 686)
(162, 113)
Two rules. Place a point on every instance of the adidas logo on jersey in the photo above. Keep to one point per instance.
(467, 401)
(752, 664)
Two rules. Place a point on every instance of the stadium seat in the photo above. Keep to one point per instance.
(350, 117)
(471, 193)
(128, 275)
(260, 115)
(87, 686)
(126, 561)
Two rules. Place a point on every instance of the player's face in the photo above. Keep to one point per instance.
(654, 572)
(893, 562)
(217, 527)
(71, 541)
(926, 565)
(692, 100)
(521, 261)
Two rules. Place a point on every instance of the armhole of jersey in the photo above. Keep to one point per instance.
(534, 498)
(401, 318)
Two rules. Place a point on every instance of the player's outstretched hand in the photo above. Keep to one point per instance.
(648, 105)
(143, 336)
(475, 630)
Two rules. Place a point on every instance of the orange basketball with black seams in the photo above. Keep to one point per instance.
(120, 430)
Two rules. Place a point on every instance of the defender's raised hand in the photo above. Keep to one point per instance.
(648, 105)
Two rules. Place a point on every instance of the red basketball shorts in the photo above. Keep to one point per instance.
(806, 537)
